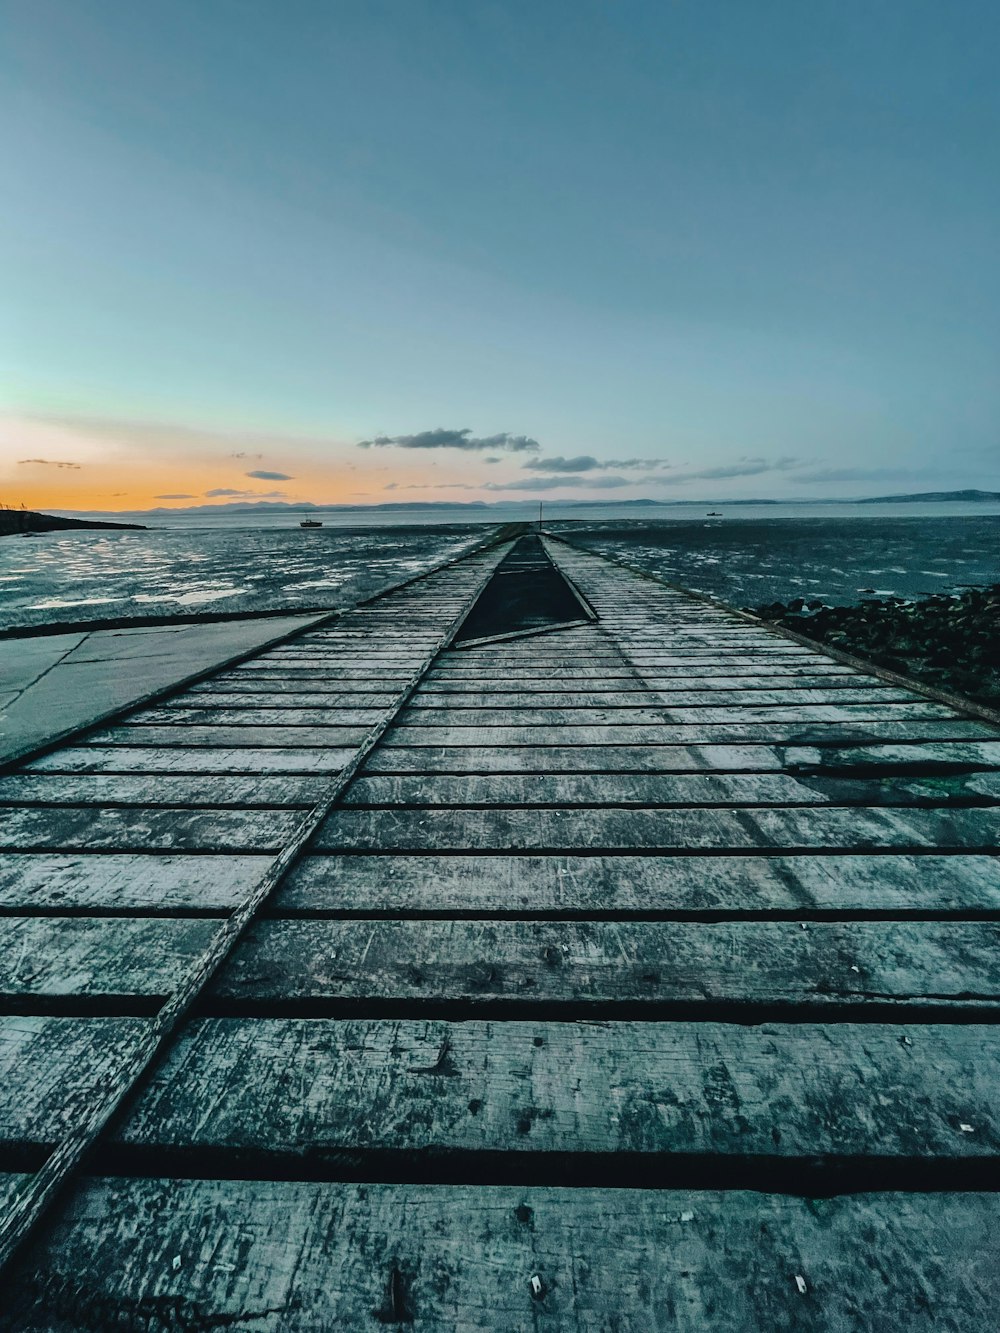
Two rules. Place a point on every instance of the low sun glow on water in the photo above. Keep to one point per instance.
(235, 563)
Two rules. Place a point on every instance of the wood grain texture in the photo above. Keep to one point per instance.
(297, 1257)
(146, 829)
(851, 885)
(288, 695)
(906, 965)
(124, 881)
(182, 717)
(51, 1069)
(923, 759)
(667, 790)
(180, 759)
(789, 732)
(694, 697)
(155, 789)
(571, 718)
(224, 738)
(87, 956)
(597, 829)
(451, 673)
(309, 1087)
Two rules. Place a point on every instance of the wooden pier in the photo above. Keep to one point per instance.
(534, 947)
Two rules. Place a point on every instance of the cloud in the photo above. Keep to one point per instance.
(175, 497)
(391, 486)
(244, 495)
(47, 462)
(587, 463)
(246, 455)
(862, 474)
(745, 467)
(443, 486)
(582, 463)
(270, 476)
(454, 439)
(554, 483)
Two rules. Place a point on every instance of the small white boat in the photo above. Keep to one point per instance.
(310, 523)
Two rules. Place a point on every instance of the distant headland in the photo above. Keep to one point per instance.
(19, 522)
(480, 508)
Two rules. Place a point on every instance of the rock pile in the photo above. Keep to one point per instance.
(949, 641)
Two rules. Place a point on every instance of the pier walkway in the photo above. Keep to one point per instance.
(535, 947)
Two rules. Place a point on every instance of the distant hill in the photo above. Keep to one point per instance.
(14, 522)
(935, 497)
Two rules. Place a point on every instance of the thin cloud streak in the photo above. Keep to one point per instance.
(746, 467)
(442, 438)
(556, 483)
(46, 462)
(588, 463)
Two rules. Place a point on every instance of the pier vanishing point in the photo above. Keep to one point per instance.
(534, 946)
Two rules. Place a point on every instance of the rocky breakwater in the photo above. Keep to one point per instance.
(952, 642)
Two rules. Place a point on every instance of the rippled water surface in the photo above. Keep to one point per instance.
(93, 575)
(239, 564)
(835, 560)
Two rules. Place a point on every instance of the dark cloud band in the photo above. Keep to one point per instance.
(454, 439)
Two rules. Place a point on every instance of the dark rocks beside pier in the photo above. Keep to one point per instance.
(952, 642)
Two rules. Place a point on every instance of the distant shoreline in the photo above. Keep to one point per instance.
(17, 522)
(482, 509)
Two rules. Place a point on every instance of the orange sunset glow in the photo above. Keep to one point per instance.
(107, 467)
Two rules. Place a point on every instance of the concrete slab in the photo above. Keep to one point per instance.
(22, 661)
(56, 684)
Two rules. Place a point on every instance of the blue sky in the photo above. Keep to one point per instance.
(746, 249)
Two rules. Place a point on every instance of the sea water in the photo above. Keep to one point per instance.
(237, 563)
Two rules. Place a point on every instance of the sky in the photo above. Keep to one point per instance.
(389, 250)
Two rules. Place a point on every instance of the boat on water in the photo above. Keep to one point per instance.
(310, 523)
(713, 513)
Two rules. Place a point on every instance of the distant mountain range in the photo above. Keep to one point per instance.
(250, 507)
(935, 497)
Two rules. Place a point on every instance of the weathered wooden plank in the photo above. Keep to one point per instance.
(632, 830)
(178, 759)
(638, 697)
(123, 881)
(228, 738)
(182, 717)
(627, 687)
(162, 789)
(644, 886)
(51, 1069)
(447, 669)
(909, 964)
(463, 1258)
(693, 733)
(664, 790)
(921, 759)
(224, 697)
(144, 829)
(614, 653)
(48, 956)
(262, 667)
(416, 715)
(309, 1088)
(368, 658)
